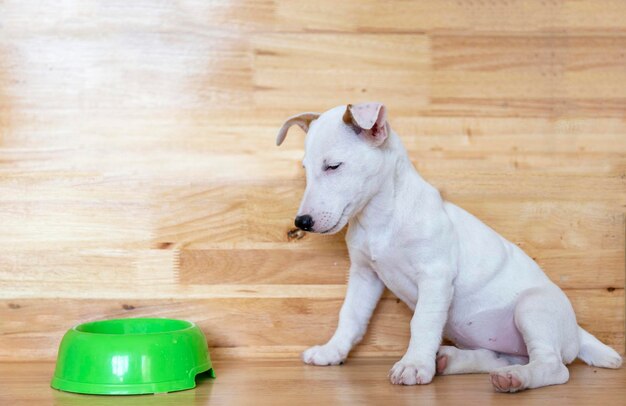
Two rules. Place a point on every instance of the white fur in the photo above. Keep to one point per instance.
(450, 268)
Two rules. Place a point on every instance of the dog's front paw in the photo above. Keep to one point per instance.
(406, 372)
(323, 355)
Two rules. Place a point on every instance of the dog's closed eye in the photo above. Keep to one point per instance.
(332, 167)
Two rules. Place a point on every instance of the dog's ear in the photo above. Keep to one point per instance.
(369, 120)
(302, 120)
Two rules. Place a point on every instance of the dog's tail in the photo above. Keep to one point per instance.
(594, 352)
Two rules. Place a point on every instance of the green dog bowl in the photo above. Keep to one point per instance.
(131, 357)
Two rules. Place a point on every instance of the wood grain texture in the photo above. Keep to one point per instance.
(289, 382)
(255, 327)
(139, 176)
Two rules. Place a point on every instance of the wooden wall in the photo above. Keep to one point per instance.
(139, 176)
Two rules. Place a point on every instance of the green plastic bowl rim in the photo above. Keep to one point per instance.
(80, 327)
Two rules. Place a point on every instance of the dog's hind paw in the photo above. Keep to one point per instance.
(323, 355)
(506, 381)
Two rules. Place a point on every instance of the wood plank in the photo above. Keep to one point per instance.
(256, 327)
(222, 273)
(279, 266)
(192, 222)
(569, 269)
(236, 272)
(325, 15)
(343, 67)
(533, 135)
(571, 75)
(529, 16)
(95, 72)
(527, 209)
(61, 213)
(201, 16)
(554, 173)
(252, 130)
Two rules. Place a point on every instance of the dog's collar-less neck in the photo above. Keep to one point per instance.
(378, 211)
(402, 183)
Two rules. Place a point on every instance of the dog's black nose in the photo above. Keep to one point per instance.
(304, 222)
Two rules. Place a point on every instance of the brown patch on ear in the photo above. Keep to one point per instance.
(347, 116)
(348, 119)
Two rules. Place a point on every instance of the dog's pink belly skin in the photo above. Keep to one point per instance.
(491, 329)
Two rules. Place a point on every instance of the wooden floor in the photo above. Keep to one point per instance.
(361, 381)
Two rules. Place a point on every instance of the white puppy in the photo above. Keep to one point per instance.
(462, 279)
